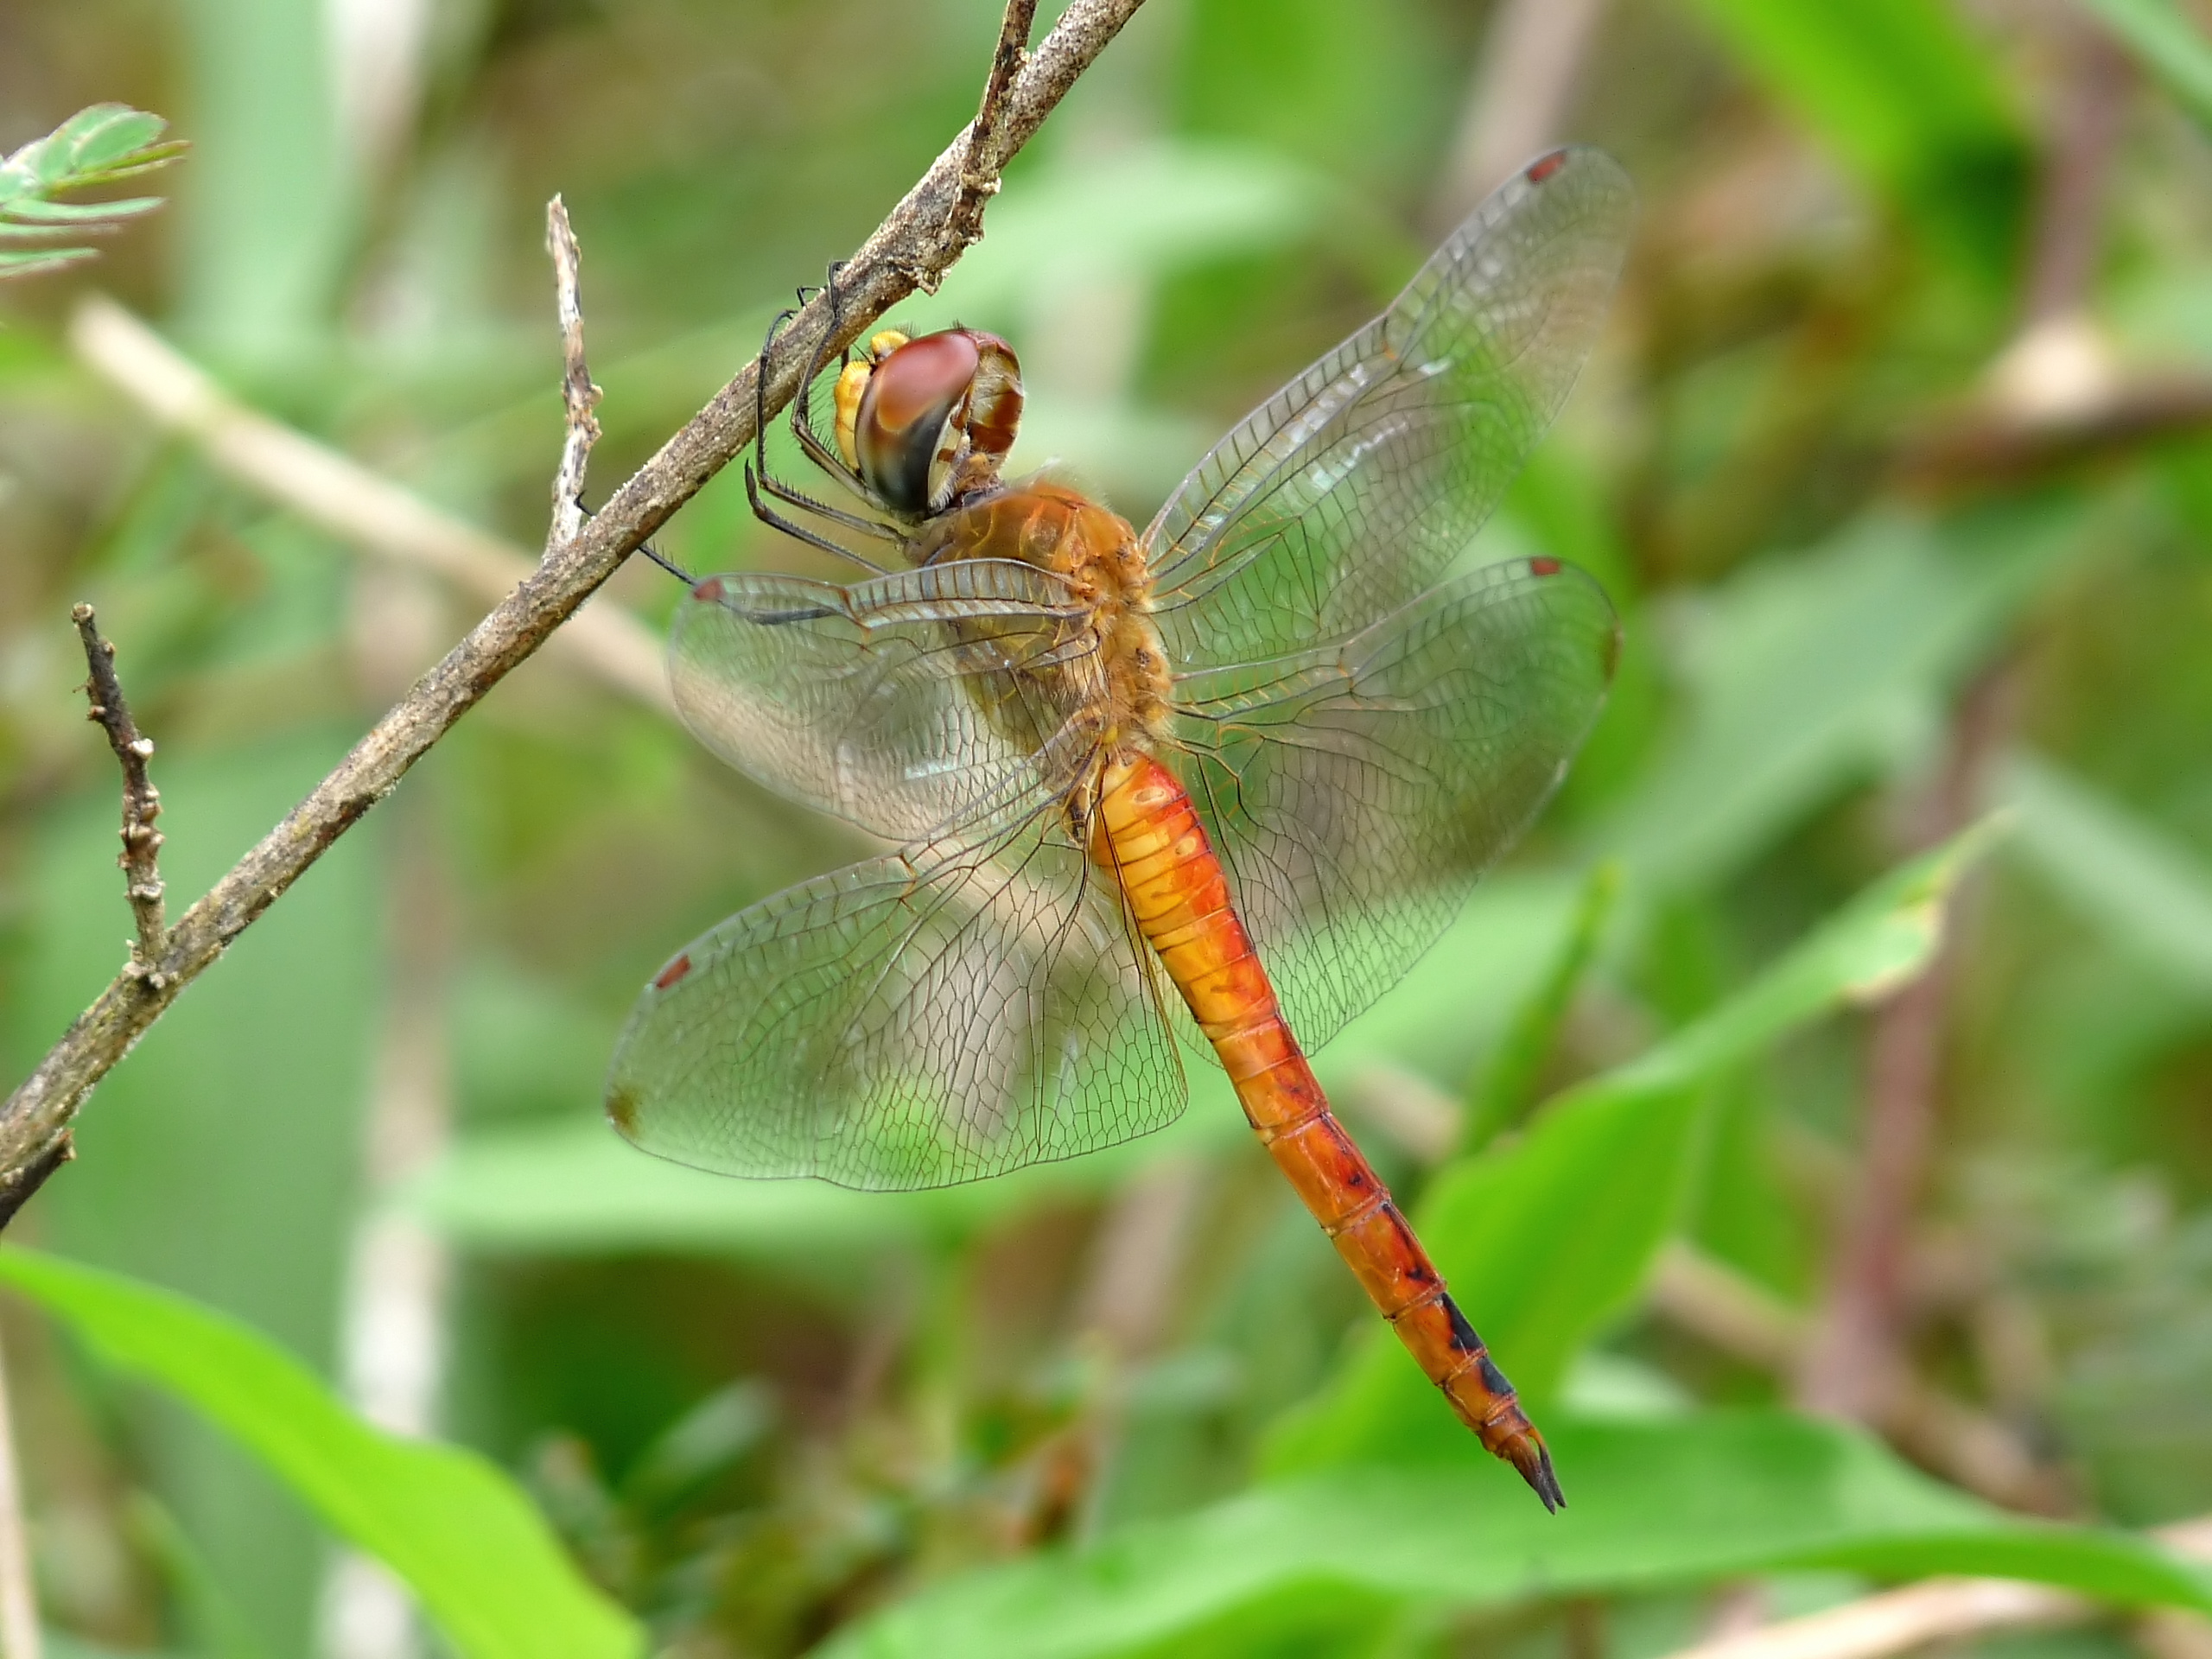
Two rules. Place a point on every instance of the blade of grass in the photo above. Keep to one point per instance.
(483, 1563)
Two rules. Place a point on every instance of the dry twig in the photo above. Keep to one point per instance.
(1922, 1615)
(341, 496)
(982, 160)
(141, 802)
(919, 241)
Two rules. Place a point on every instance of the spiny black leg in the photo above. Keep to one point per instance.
(760, 391)
(851, 521)
(669, 565)
(767, 515)
(809, 440)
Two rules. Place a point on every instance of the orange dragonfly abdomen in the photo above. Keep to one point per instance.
(1148, 835)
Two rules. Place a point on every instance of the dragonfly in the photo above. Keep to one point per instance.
(1212, 785)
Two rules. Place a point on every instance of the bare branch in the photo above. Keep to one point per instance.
(980, 165)
(343, 497)
(578, 394)
(2096, 84)
(917, 242)
(141, 802)
(2016, 438)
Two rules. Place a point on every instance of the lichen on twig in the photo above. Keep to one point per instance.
(579, 397)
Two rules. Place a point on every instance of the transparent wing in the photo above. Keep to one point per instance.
(940, 1015)
(1347, 493)
(906, 703)
(1356, 791)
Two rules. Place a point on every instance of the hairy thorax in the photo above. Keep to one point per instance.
(1109, 668)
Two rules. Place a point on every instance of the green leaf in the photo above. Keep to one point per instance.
(1507, 1088)
(1804, 676)
(484, 1565)
(2154, 895)
(105, 135)
(1906, 100)
(1546, 1240)
(31, 264)
(1656, 1506)
(81, 213)
(2169, 45)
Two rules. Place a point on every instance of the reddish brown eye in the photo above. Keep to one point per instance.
(910, 396)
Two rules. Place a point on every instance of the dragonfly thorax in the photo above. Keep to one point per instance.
(1109, 669)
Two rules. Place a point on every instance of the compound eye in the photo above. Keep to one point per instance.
(900, 429)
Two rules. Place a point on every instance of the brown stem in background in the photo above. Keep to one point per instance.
(1743, 1319)
(1123, 1306)
(1517, 98)
(2055, 395)
(917, 242)
(2008, 447)
(1855, 1358)
(141, 802)
(2092, 104)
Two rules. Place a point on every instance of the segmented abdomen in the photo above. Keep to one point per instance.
(1150, 837)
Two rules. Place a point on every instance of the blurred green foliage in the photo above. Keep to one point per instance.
(1132, 1403)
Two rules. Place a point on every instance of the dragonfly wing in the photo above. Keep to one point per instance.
(1356, 791)
(940, 1016)
(1347, 494)
(900, 704)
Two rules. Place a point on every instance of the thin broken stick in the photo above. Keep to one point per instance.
(141, 802)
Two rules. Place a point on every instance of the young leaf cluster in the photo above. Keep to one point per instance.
(100, 145)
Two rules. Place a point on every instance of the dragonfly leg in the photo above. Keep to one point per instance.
(647, 548)
(767, 515)
(809, 440)
(759, 479)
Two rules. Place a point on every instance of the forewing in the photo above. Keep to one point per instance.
(1355, 792)
(906, 705)
(1347, 493)
(938, 1016)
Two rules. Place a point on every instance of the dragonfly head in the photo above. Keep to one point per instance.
(922, 420)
